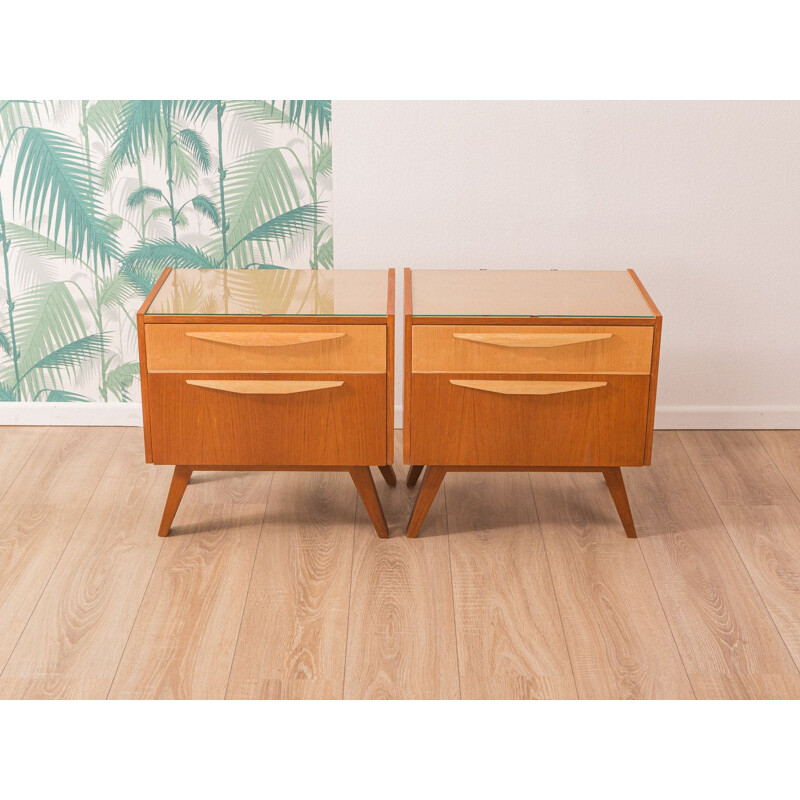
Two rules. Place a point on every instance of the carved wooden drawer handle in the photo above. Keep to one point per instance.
(532, 339)
(266, 338)
(266, 387)
(529, 387)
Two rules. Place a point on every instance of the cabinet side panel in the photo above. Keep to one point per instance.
(390, 390)
(148, 446)
(390, 309)
(651, 409)
(408, 415)
(140, 333)
(407, 345)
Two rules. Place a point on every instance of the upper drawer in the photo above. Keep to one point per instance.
(532, 348)
(265, 348)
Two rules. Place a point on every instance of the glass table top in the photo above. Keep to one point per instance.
(303, 292)
(526, 293)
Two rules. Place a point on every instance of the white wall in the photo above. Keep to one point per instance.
(702, 199)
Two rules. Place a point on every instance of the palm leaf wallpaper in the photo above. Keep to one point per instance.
(98, 196)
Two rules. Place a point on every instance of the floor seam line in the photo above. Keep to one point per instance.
(452, 589)
(350, 593)
(666, 617)
(60, 556)
(249, 584)
(776, 465)
(553, 584)
(739, 555)
(22, 465)
(135, 619)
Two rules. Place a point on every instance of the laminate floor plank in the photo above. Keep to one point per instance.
(510, 639)
(293, 634)
(783, 448)
(184, 637)
(725, 634)
(761, 514)
(75, 638)
(276, 586)
(739, 686)
(16, 446)
(736, 469)
(401, 639)
(40, 510)
(619, 641)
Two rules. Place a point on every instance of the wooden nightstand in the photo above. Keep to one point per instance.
(528, 371)
(269, 370)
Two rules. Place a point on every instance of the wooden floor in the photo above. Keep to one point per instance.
(519, 586)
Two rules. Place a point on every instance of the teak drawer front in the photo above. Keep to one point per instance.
(532, 348)
(509, 420)
(265, 348)
(207, 418)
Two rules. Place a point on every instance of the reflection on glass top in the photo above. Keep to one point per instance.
(273, 291)
(526, 293)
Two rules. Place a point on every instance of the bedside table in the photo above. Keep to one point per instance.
(528, 371)
(269, 370)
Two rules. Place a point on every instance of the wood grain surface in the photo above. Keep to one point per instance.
(266, 387)
(291, 643)
(529, 387)
(40, 510)
(426, 495)
(762, 516)
(510, 639)
(601, 426)
(485, 348)
(266, 338)
(619, 641)
(276, 586)
(183, 641)
(16, 445)
(343, 425)
(723, 630)
(401, 640)
(294, 348)
(75, 637)
(783, 448)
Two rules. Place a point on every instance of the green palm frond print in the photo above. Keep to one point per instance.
(97, 197)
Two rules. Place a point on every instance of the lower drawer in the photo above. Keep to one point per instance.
(269, 420)
(514, 420)
(265, 348)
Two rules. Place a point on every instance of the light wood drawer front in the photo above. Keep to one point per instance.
(531, 348)
(595, 420)
(205, 418)
(266, 348)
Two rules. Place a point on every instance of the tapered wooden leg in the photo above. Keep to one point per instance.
(388, 475)
(413, 475)
(180, 480)
(362, 478)
(430, 485)
(616, 486)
